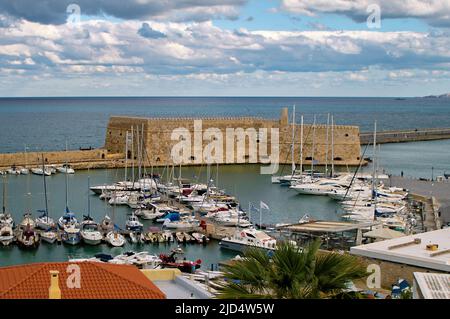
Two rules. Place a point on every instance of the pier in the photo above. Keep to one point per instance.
(402, 136)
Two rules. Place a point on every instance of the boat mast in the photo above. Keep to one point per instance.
(313, 147)
(374, 181)
(327, 147)
(332, 145)
(88, 199)
(132, 154)
(67, 184)
(301, 146)
(126, 156)
(45, 189)
(293, 140)
(4, 195)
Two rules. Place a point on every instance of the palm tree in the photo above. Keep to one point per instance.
(291, 273)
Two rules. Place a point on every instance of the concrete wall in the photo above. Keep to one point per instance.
(158, 143)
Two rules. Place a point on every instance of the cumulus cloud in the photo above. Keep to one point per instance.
(148, 32)
(160, 51)
(54, 11)
(434, 12)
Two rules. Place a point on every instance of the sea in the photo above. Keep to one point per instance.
(47, 123)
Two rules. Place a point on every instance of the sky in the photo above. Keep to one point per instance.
(224, 47)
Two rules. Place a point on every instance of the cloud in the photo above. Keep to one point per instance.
(54, 11)
(434, 12)
(99, 50)
(147, 32)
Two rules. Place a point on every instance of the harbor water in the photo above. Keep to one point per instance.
(45, 124)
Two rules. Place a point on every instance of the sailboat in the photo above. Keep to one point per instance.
(44, 221)
(114, 238)
(66, 168)
(90, 230)
(68, 218)
(6, 222)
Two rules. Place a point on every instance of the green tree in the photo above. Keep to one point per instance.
(291, 273)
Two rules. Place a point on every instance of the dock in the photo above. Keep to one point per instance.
(403, 136)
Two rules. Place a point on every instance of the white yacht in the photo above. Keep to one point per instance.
(251, 237)
(66, 169)
(40, 171)
(322, 187)
(115, 239)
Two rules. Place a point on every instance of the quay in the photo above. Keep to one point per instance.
(435, 196)
(402, 136)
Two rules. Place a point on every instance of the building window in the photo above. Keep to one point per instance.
(158, 159)
(346, 134)
(192, 158)
(103, 156)
(309, 158)
(338, 158)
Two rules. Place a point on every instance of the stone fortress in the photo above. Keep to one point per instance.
(342, 141)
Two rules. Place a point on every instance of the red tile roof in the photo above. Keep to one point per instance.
(98, 281)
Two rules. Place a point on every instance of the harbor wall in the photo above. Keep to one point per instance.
(158, 139)
(403, 136)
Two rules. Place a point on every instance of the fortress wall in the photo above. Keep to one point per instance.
(158, 131)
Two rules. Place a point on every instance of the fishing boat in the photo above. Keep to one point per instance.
(28, 238)
(115, 239)
(49, 236)
(6, 234)
(133, 223)
(173, 260)
(245, 238)
(71, 235)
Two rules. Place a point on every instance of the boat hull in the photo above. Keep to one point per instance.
(232, 245)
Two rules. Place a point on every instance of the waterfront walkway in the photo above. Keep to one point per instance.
(436, 195)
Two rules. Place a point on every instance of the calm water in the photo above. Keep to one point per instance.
(245, 182)
(47, 123)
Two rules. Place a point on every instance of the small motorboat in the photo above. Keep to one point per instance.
(49, 237)
(27, 238)
(24, 171)
(133, 223)
(6, 235)
(66, 169)
(173, 260)
(40, 171)
(200, 238)
(13, 171)
(71, 235)
(115, 239)
(90, 233)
